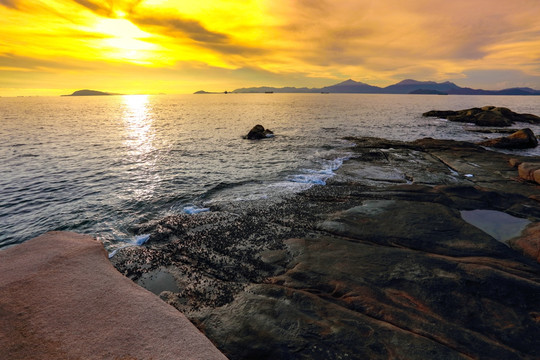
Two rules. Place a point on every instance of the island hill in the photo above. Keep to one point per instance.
(87, 92)
(403, 87)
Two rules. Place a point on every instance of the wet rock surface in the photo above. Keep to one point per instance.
(377, 264)
(521, 139)
(485, 116)
(258, 132)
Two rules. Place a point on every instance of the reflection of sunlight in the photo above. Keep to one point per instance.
(138, 124)
(140, 133)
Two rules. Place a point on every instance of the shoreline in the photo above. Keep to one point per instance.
(380, 261)
(394, 207)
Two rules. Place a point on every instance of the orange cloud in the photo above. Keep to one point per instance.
(302, 43)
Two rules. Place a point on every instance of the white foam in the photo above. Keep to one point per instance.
(192, 210)
(137, 241)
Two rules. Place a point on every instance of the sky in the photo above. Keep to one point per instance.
(55, 47)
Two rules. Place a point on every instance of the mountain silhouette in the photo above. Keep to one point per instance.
(407, 86)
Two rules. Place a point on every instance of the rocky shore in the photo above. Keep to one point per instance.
(60, 298)
(382, 262)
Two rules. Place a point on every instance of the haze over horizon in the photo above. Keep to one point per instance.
(152, 46)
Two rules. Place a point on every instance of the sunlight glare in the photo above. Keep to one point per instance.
(124, 41)
(138, 124)
(139, 138)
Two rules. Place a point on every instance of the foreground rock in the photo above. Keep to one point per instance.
(258, 132)
(529, 171)
(60, 298)
(485, 116)
(378, 264)
(521, 139)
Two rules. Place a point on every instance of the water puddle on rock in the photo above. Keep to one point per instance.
(498, 224)
(158, 281)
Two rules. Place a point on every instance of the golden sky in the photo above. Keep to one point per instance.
(55, 47)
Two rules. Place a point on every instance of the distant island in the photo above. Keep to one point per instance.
(210, 92)
(408, 86)
(87, 92)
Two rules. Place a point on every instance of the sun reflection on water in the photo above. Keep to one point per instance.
(139, 141)
(138, 124)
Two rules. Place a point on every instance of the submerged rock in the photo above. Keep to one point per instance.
(485, 116)
(259, 132)
(521, 139)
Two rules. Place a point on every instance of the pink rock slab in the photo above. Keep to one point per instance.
(60, 298)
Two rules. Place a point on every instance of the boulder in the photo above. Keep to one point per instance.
(60, 298)
(529, 171)
(522, 139)
(259, 132)
(513, 162)
(529, 242)
(485, 116)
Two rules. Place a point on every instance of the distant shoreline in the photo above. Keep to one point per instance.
(407, 86)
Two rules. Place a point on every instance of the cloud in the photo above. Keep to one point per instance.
(499, 79)
(173, 25)
(109, 8)
(379, 42)
(27, 63)
(9, 3)
(179, 28)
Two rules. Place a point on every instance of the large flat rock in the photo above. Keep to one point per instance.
(60, 298)
(400, 256)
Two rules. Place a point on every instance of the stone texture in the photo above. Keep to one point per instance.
(377, 264)
(485, 116)
(530, 171)
(529, 242)
(60, 298)
(521, 139)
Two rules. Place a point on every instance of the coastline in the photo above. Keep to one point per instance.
(380, 261)
(380, 253)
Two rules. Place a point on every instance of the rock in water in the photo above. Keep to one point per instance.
(259, 132)
(485, 116)
(522, 139)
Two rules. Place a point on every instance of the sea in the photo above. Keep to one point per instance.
(101, 165)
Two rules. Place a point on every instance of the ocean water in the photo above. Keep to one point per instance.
(100, 165)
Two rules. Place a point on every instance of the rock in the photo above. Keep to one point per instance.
(492, 118)
(521, 139)
(377, 264)
(529, 242)
(513, 162)
(60, 298)
(259, 132)
(529, 171)
(485, 116)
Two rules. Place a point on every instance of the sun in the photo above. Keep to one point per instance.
(122, 40)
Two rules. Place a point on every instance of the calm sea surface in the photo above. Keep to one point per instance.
(100, 165)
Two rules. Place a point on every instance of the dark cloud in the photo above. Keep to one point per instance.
(96, 7)
(9, 3)
(194, 30)
(107, 8)
(188, 27)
